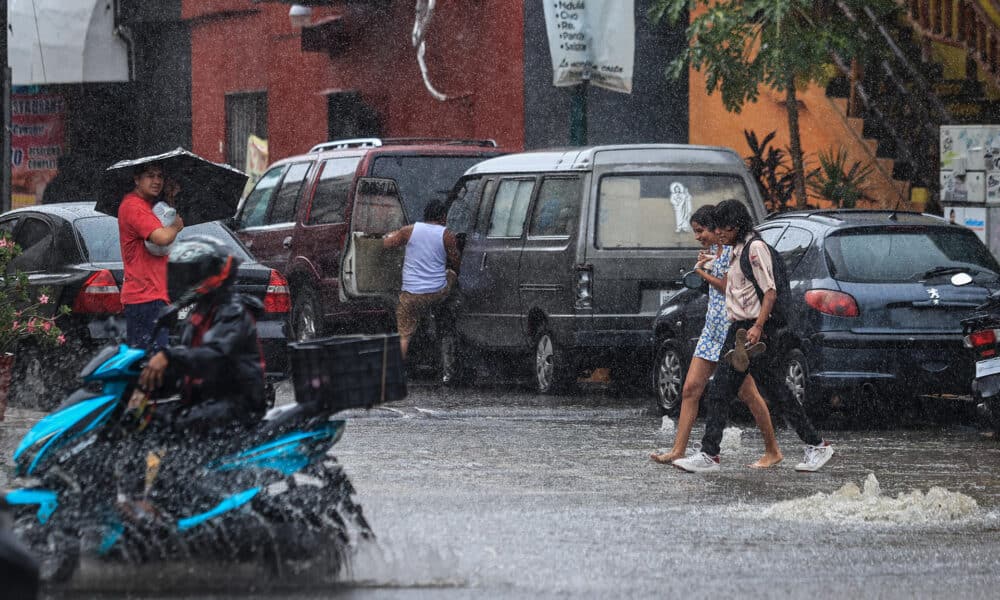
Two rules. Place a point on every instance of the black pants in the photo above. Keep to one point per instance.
(140, 325)
(766, 371)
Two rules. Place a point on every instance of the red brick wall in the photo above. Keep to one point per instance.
(474, 53)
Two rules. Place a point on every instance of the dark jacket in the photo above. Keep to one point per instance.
(220, 357)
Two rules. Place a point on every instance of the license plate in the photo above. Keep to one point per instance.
(990, 366)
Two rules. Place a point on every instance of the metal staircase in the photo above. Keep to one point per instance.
(895, 97)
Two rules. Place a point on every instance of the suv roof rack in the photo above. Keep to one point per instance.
(488, 143)
(348, 143)
(377, 142)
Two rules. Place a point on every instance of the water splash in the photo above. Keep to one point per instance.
(395, 563)
(732, 439)
(867, 504)
(667, 427)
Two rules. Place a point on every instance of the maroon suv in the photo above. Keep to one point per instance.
(298, 217)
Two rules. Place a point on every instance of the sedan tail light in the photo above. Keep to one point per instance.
(277, 299)
(984, 342)
(830, 302)
(99, 295)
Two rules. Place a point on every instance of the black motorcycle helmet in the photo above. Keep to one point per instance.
(198, 267)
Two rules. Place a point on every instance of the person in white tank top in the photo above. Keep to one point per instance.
(430, 266)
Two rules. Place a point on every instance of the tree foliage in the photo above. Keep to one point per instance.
(744, 45)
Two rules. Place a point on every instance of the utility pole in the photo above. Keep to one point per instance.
(5, 80)
(578, 115)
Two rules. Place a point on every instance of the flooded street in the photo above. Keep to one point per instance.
(498, 492)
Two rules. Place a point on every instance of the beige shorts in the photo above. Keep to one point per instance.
(413, 307)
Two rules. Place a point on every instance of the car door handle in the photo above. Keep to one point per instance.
(287, 242)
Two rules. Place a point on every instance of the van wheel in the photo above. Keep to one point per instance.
(306, 315)
(668, 378)
(553, 372)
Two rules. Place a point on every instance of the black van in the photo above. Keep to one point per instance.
(569, 253)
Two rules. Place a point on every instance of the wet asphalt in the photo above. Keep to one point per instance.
(497, 492)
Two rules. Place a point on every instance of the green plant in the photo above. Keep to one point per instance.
(769, 166)
(743, 46)
(837, 182)
(24, 316)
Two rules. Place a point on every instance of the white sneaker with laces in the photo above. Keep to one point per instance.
(698, 463)
(815, 457)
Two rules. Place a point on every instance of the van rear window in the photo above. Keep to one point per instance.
(654, 210)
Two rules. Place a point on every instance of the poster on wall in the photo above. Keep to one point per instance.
(973, 217)
(36, 142)
(592, 39)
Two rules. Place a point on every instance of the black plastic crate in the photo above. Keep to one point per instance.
(348, 371)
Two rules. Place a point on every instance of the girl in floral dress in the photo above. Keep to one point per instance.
(712, 265)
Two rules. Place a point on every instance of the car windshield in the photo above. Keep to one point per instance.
(100, 238)
(421, 179)
(893, 255)
(654, 210)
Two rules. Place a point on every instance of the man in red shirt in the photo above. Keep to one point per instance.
(144, 289)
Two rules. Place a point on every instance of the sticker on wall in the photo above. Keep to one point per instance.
(993, 187)
(680, 198)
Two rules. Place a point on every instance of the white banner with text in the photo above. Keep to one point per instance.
(591, 39)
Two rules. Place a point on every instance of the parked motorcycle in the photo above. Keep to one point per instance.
(982, 335)
(275, 493)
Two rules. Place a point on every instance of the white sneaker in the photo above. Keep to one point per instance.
(698, 463)
(815, 457)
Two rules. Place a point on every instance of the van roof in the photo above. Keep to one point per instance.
(584, 159)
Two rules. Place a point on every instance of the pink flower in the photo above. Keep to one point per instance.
(14, 325)
(4, 243)
(61, 339)
(43, 299)
(47, 325)
(31, 326)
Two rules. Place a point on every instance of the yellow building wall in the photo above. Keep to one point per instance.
(822, 125)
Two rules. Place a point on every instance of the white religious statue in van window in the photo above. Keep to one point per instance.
(681, 200)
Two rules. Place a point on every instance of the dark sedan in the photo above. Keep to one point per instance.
(878, 301)
(73, 250)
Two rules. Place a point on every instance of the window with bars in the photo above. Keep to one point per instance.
(349, 117)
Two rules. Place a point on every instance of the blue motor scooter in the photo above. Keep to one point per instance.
(274, 493)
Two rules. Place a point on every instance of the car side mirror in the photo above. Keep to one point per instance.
(693, 281)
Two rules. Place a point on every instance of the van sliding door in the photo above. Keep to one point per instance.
(547, 278)
(491, 315)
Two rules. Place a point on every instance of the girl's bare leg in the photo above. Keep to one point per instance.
(750, 396)
(694, 386)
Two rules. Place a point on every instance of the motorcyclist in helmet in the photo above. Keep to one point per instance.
(219, 363)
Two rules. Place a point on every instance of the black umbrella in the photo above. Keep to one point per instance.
(209, 191)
